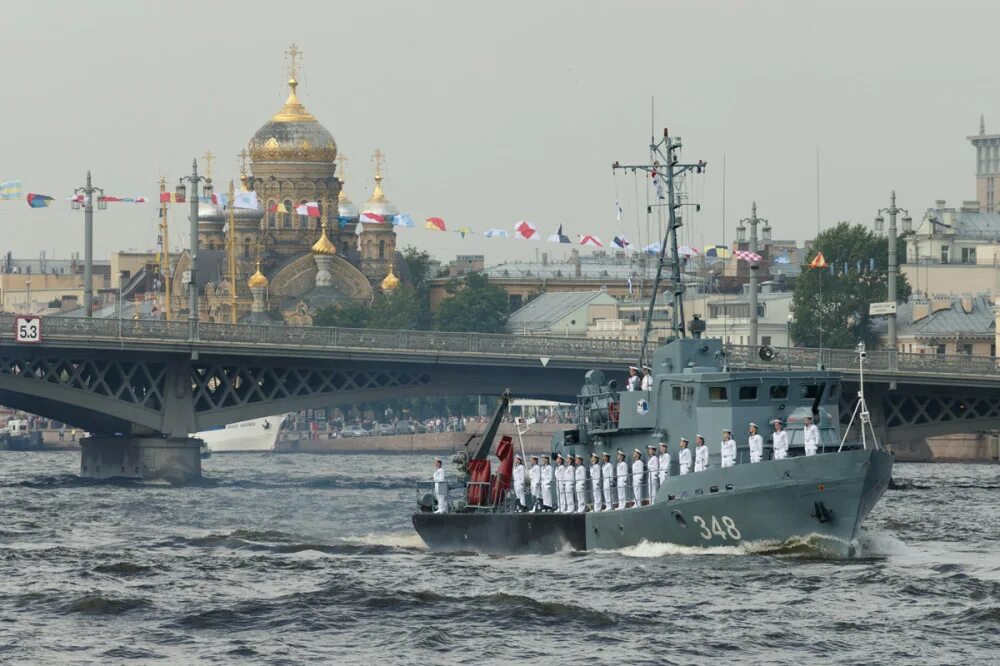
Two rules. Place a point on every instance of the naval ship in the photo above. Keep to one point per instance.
(818, 501)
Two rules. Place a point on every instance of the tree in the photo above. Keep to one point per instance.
(419, 264)
(836, 306)
(400, 310)
(476, 306)
(352, 315)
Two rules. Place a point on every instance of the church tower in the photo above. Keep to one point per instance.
(378, 241)
(987, 168)
(293, 160)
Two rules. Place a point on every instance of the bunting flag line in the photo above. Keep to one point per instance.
(434, 224)
(717, 251)
(782, 259)
(403, 220)
(10, 190)
(167, 197)
(559, 236)
(496, 233)
(592, 241)
(652, 248)
(371, 218)
(462, 231)
(819, 261)
(39, 200)
(220, 199)
(687, 251)
(621, 242)
(245, 200)
(747, 255)
(525, 230)
(279, 207)
(309, 208)
(110, 199)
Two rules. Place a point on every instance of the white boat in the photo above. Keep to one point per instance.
(244, 436)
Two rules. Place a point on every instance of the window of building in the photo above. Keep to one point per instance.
(939, 349)
(993, 349)
(748, 393)
(381, 249)
(965, 349)
(968, 255)
(761, 311)
(271, 214)
(516, 301)
(718, 393)
(765, 340)
(945, 251)
(286, 217)
(246, 247)
(779, 392)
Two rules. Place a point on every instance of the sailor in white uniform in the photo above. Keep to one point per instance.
(632, 383)
(581, 485)
(647, 378)
(569, 480)
(607, 473)
(535, 475)
(621, 476)
(652, 473)
(780, 441)
(684, 458)
(727, 451)
(548, 498)
(664, 463)
(440, 487)
(638, 476)
(518, 479)
(700, 454)
(756, 444)
(595, 480)
(811, 437)
(560, 475)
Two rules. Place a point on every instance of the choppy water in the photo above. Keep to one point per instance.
(298, 558)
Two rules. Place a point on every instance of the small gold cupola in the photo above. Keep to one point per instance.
(258, 279)
(391, 282)
(323, 245)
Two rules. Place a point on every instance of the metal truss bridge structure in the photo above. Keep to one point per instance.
(152, 383)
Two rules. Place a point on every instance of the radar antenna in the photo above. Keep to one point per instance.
(663, 176)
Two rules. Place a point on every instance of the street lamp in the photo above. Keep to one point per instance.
(88, 191)
(194, 179)
(892, 210)
(788, 342)
(121, 277)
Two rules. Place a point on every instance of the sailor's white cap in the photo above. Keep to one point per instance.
(664, 444)
(606, 454)
(776, 421)
(534, 456)
(808, 417)
(621, 452)
(685, 440)
(754, 425)
(559, 455)
(699, 435)
(637, 451)
(633, 367)
(579, 456)
(519, 458)
(594, 455)
(437, 460)
(727, 430)
(646, 367)
(651, 446)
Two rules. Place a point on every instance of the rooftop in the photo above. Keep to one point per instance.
(550, 307)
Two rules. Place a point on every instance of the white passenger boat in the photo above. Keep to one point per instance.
(253, 435)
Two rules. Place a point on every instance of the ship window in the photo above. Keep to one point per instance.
(718, 393)
(809, 390)
(779, 392)
(748, 393)
(675, 392)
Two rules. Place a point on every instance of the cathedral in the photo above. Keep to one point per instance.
(288, 266)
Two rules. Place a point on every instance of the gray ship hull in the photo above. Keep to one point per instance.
(823, 499)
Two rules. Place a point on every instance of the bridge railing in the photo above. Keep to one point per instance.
(321, 337)
(847, 360)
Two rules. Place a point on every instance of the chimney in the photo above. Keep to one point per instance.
(939, 303)
(921, 308)
(970, 206)
(967, 303)
(939, 204)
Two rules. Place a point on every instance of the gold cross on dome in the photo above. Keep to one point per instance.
(342, 158)
(209, 160)
(378, 156)
(293, 53)
(243, 154)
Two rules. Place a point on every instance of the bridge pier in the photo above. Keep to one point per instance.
(175, 459)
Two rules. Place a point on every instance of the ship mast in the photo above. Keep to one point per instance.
(164, 250)
(664, 176)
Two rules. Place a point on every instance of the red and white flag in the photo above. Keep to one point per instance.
(592, 241)
(747, 255)
(371, 218)
(526, 231)
(310, 208)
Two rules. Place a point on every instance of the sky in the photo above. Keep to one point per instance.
(493, 113)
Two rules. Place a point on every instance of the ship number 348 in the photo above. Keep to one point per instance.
(725, 530)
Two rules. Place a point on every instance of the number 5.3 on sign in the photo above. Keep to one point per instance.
(27, 329)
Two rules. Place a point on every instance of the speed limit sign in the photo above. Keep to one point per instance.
(28, 329)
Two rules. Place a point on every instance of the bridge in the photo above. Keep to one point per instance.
(141, 387)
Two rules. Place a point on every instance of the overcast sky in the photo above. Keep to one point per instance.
(493, 112)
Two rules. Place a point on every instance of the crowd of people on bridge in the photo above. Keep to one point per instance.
(576, 485)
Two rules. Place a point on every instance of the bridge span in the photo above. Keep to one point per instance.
(142, 386)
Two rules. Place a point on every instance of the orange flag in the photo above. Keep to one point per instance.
(818, 261)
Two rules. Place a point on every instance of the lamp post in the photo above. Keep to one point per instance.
(753, 221)
(121, 276)
(194, 179)
(27, 285)
(88, 237)
(892, 210)
(788, 342)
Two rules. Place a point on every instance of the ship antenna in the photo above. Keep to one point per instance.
(861, 412)
(663, 176)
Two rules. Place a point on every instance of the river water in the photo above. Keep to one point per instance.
(301, 558)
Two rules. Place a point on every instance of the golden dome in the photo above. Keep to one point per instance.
(378, 203)
(391, 281)
(345, 207)
(258, 279)
(323, 245)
